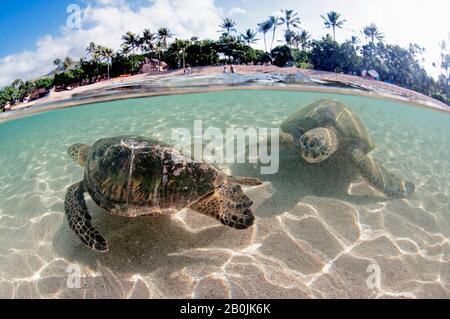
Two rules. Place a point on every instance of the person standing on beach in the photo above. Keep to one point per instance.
(232, 69)
(225, 69)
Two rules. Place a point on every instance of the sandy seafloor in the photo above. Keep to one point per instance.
(317, 231)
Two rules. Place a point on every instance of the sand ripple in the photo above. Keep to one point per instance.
(304, 245)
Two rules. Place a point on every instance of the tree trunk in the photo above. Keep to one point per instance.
(273, 38)
(265, 45)
(159, 61)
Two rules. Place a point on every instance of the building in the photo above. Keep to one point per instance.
(152, 65)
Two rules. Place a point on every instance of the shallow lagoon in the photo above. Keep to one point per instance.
(317, 230)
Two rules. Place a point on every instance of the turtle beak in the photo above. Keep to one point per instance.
(312, 149)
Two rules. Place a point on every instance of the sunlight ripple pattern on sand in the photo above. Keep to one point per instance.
(304, 244)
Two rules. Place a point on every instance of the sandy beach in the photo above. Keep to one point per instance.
(372, 86)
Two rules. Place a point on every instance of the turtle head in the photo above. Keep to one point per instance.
(318, 144)
(79, 153)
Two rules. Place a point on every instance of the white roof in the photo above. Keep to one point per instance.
(374, 73)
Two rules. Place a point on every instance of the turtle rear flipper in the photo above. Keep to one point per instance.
(79, 219)
(229, 205)
(381, 178)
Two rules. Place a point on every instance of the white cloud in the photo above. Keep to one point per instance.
(236, 10)
(105, 22)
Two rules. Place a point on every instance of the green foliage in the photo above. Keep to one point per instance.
(6, 96)
(16, 92)
(206, 52)
(244, 53)
(301, 56)
(45, 83)
(227, 44)
(395, 64)
(304, 65)
(398, 65)
(201, 53)
(176, 53)
(129, 64)
(64, 79)
(440, 97)
(281, 55)
(262, 57)
(328, 55)
(232, 47)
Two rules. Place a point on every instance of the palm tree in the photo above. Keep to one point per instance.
(163, 35)
(355, 41)
(249, 36)
(67, 63)
(303, 38)
(158, 48)
(64, 65)
(264, 27)
(289, 37)
(92, 53)
(371, 31)
(180, 47)
(90, 50)
(147, 40)
(130, 42)
(333, 20)
(17, 83)
(445, 59)
(57, 62)
(290, 18)
(106, 54)
(274, 22)
(228, 25)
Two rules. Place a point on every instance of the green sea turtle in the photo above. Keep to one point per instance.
(327, 128)
(133, 176)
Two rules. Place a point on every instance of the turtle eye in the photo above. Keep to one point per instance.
(303, 140)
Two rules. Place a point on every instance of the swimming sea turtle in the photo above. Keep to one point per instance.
(133, 176)
(328, 127)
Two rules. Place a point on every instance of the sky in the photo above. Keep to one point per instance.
(33, 33)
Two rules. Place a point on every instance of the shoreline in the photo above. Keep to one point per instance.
(309, 79)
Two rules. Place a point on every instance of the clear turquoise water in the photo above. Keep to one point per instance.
(316, 232)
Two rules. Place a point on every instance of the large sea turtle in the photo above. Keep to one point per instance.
(327, 128)
(133, 176)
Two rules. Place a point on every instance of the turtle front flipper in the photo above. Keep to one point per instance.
(79, 219)
(286, 140)
(229, 205)
(381, 178)
(244, 180)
